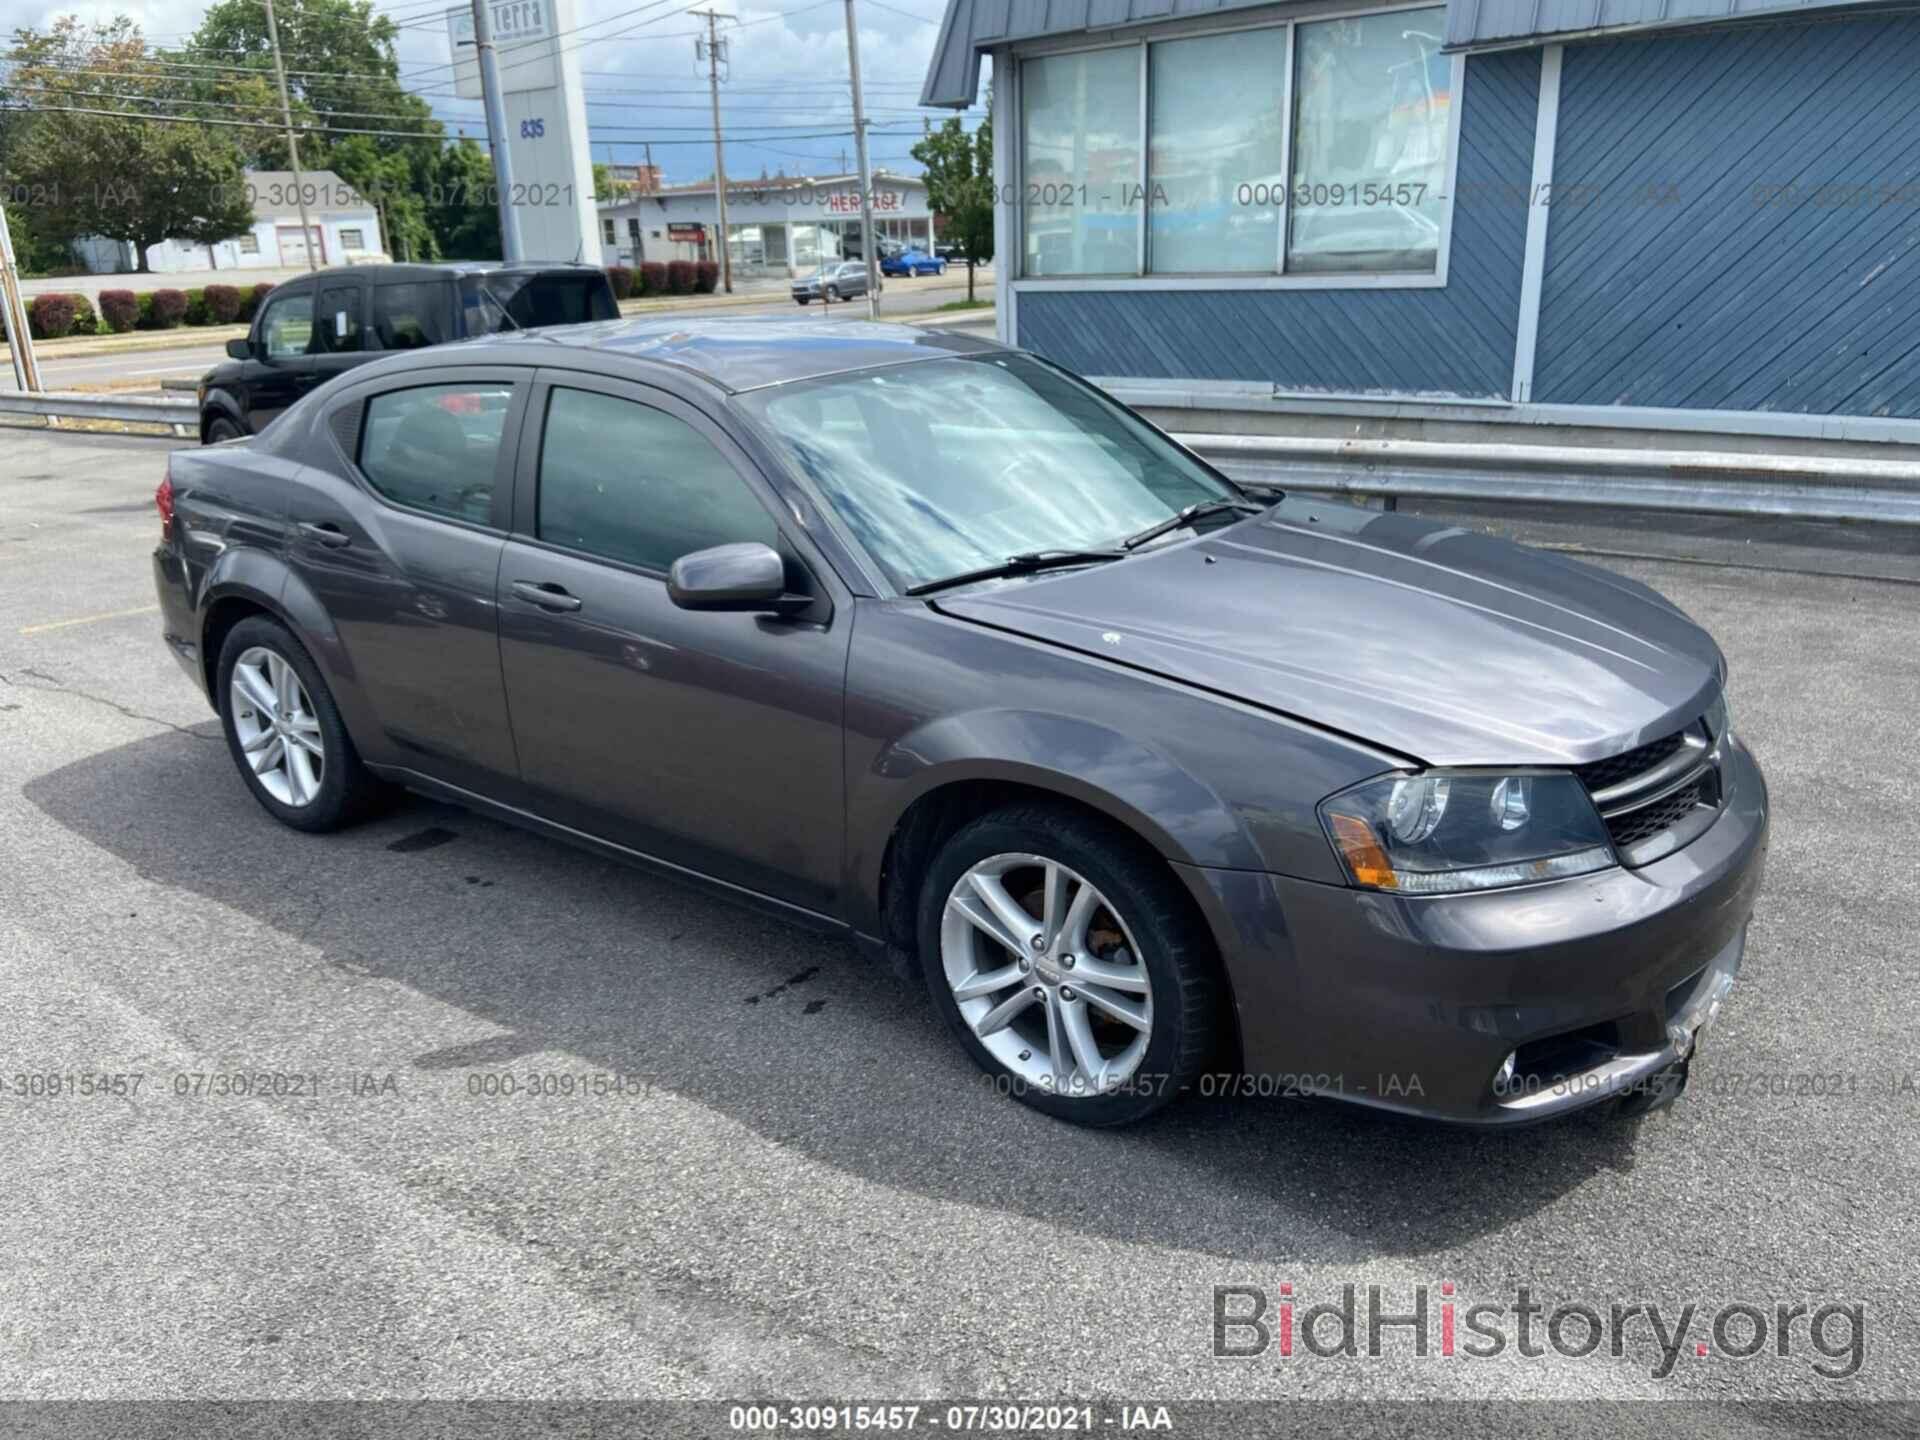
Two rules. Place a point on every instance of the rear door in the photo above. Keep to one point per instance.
(339, 331)
(711, 741)
(400, 541)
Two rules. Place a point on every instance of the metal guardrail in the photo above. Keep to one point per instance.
(1803, 487)
(126, 409)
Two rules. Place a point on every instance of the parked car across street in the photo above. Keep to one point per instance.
(913, 262)
(920, 640)
(836, 280)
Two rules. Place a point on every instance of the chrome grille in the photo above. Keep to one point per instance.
(1658, 796)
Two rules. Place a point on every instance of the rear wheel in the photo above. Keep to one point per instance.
(285, 733)
(1069, 964)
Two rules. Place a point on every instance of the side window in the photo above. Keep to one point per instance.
(286, 327)
(635, 484)
(434, 448)
(410, 317)
(336, 329)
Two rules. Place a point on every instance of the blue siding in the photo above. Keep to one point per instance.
(1680, 274)
(1454, 340)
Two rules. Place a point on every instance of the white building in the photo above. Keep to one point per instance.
(787, 225)
(343, 229)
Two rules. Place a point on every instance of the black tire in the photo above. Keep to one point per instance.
(800, 299)
(1179, 955)
(830, 295)
(348, 791)
(221, 428)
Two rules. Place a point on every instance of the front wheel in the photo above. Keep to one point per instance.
(285, 733)
(832, 294)
(800, 299)
(1069, 963)
(221, 428)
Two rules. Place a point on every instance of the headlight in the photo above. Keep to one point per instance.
(1449, 830)
(1720, 718)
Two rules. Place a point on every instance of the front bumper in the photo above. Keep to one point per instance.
(1599, 983)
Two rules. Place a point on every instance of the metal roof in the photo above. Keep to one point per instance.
(973, 26)
(1481, 24)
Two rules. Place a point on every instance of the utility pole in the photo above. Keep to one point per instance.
(496, 130)
(26, 370)
(714, 44)
(869, 246)
(293, 145)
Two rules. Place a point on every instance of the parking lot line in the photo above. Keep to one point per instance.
(43, 628)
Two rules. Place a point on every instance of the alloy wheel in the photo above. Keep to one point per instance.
(278, 731)
(1046, 974)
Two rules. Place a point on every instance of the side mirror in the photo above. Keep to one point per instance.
(241, 349)
(743, 576)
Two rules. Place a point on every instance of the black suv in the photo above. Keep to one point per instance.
(311, 329)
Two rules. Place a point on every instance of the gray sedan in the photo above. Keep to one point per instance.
(1160, 782)
(837, 280)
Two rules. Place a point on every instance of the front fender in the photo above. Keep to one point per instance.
(1134, 783)
(222, 402)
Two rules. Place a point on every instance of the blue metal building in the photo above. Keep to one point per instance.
(1662, 214)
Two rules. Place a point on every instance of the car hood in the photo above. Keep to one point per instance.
(1444, 645)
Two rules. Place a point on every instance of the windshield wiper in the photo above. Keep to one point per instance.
(1025, 563)
(1194, 512)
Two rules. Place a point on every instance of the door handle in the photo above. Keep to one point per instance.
(331, 536)
(547, 595)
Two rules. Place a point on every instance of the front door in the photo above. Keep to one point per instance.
(274, 377)
(402, 547)
(710, 741)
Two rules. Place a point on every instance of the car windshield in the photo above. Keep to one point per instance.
(947, 466)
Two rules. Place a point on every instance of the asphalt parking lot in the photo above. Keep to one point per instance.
(802, 1189)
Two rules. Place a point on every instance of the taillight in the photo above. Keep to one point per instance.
(163, 501)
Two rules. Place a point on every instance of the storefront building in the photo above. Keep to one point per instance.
(1590, 212)
(778, 227)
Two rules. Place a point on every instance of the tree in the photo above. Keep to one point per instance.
(959, 176)
(128, 178)
(459, 188)
(342, 75)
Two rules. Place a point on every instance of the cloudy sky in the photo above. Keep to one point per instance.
(785, 93)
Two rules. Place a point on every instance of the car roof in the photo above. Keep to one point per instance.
(441, 269)
(746, 352)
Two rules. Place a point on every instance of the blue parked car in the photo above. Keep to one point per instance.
(912, 262)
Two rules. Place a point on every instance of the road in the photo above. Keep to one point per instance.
(811, 1194)
(194, 358)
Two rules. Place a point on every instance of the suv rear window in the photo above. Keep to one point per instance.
(531, 300)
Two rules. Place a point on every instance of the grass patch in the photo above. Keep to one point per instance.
(966, 305)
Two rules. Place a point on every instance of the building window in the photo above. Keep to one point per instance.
(249, 244)
(606, 231)
(353, 240)
(1313, 149)
(1216, 162)
(1369, 143)
(1080, 163)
